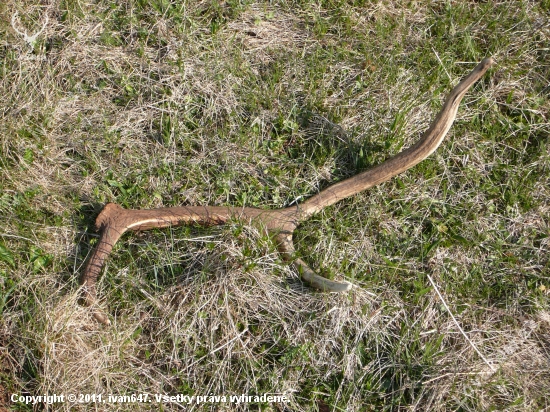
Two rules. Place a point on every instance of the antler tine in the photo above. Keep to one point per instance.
(404, 160)
(286, 248)
(114, 221)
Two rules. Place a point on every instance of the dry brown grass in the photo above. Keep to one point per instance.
(263, 104)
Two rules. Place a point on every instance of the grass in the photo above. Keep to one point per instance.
(159, 103)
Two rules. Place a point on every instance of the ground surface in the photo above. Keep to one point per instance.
(159, 103)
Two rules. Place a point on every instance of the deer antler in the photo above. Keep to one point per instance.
(114, 221)
(31, 40)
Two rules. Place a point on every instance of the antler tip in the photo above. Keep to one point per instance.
(486, 63)
(346, 286)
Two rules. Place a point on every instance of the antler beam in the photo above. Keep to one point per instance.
(114, 221)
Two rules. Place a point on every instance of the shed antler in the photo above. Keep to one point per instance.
(114, 221)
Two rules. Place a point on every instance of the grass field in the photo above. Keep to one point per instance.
(159, 103)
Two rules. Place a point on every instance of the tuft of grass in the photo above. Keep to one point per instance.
(263, 104)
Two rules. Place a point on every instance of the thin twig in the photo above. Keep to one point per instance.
(16, 237)
(458, 325)
(442, 65)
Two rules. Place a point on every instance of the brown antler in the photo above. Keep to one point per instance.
(114, 221)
